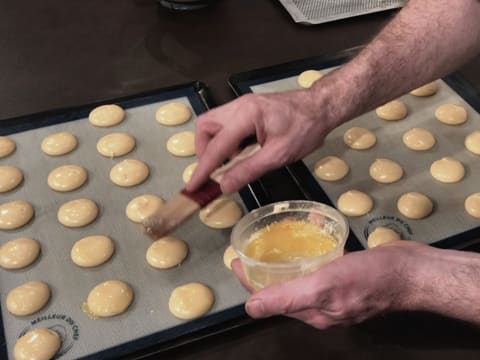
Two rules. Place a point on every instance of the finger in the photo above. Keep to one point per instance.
(238, 270)
(206, 128)
(216, 152)
(286, 298)
(245, 171)
(232, 114)
(220, 147)
(302, 315)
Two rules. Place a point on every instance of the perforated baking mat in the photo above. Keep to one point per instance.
(311, 12)
(449, 225)
(147, 321)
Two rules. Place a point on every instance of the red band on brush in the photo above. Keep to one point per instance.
(205, 194)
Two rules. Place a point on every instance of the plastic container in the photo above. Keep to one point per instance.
(261, 274)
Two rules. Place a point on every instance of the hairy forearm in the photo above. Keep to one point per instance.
(426, 40)
(446, 282)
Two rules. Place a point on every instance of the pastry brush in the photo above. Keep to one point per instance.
(186, 203)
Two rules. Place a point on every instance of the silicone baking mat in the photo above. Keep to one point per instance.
(310, 12)
(148, 320)
(449, 225)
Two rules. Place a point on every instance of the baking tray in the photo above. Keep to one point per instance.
(449, 226)
(147, 322)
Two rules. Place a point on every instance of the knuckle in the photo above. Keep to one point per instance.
(207, 123)
(202, 119)
(248, 98)
(291, 303)
(235, 179)
(252, 103)
(281, 156)
(288, 306)
(340, 310)
(320, 322)
(202, 123)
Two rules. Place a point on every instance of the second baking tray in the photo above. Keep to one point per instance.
(449, 225)
(147, 321)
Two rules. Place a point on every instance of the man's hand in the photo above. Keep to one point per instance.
(287, 126)
(425, 41)
(348, 290)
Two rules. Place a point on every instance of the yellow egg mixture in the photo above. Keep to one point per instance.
(289, 240)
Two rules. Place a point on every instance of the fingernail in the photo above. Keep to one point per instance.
(255, 308)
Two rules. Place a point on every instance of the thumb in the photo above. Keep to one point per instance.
(281, 299)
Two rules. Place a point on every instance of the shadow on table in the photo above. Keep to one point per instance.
(417, 330)
(411, 336)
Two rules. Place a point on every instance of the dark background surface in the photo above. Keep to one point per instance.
(57, 54)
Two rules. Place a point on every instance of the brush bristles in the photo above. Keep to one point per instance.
(180, 208)
(153, 227)
(169, 216)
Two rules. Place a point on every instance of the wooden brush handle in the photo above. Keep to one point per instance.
(211, 189)
(245, 153)
(205, 194)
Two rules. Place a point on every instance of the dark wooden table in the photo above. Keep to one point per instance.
(57, 54)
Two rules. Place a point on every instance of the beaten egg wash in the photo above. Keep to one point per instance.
(289, 240)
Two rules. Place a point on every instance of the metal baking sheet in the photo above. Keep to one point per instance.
(311, 12)
(449, 225)
(148, 320)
